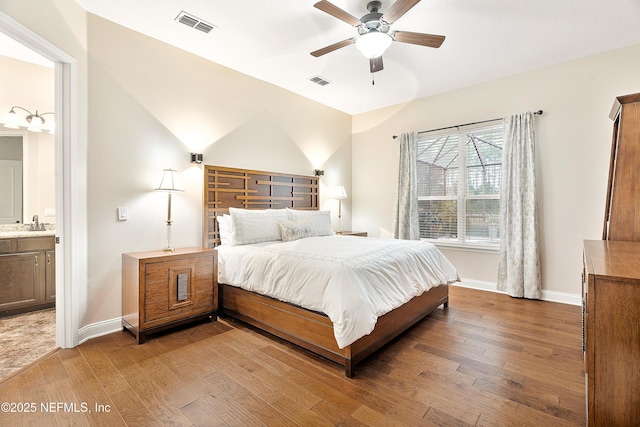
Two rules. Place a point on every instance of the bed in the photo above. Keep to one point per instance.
(251, 265)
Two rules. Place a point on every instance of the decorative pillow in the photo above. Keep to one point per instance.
(321, 220)
(255, 225)
(294, 230)
(224, 226)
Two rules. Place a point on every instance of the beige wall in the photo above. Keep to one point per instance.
(150, 105)
(572, 156)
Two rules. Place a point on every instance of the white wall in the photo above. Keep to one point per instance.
(573, 148)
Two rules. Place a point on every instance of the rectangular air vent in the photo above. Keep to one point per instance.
(319, 80)
(193, 22)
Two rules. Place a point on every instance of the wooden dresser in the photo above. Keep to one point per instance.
(611, 283)
(611, 292)
(622, 209)
(165, 289)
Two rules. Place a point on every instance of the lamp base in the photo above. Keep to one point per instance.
(169, 248)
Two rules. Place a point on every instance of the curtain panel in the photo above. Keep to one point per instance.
(406, 224)
(519, 259)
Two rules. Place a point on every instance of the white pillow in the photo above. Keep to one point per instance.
(224, 226)
(255, 225)
(294, 230)
(321, 220)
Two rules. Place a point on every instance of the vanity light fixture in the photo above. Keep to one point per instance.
(170, 183)
(196, 158)
(35, 122)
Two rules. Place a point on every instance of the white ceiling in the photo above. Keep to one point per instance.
(485, 40)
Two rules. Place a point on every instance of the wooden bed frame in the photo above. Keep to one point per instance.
(229, 187)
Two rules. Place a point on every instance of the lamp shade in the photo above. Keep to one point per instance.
(170, 181)
(11, 120)
(340, 193)
(373, 44)
(35, 123)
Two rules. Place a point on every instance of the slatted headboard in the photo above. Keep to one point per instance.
(242, 188)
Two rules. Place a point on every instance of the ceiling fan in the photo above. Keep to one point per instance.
(373, 29)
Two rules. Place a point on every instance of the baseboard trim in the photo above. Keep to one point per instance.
(551, 296)
(99, 329)
(105, 327)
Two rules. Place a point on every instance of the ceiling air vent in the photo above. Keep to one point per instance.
(193, 22)
(319, 80)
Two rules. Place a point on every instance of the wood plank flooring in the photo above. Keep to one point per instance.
(487, 360)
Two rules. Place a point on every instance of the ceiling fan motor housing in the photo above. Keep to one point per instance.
(374, 6)
(373, 21)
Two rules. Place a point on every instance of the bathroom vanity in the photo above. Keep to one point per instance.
(27, 271)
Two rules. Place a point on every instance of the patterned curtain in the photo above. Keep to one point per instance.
(405, 218)
(519, 259)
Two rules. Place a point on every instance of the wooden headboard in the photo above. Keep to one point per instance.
(249, 189)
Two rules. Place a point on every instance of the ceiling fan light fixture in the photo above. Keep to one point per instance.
(373, 44)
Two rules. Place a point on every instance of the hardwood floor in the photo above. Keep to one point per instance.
(488, 359)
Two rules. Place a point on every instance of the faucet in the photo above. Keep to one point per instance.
(36, 225)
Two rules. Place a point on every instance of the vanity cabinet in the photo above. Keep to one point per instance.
(27, 274)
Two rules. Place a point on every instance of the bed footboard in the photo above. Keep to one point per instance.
(314, 331)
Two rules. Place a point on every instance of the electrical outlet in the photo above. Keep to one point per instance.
(50, 212)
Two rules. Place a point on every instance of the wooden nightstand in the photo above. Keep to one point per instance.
(351, 233)
(165, 289)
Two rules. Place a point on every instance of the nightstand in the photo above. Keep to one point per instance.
(351, 233)
(163, 289)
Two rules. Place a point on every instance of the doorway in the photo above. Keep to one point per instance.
(68, 256)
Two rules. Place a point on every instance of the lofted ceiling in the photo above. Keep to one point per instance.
(485, 40)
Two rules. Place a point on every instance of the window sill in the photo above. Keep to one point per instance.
(467, 247)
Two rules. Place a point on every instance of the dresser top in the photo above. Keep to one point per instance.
(612, 258)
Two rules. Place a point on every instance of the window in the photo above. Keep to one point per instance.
(459, 184)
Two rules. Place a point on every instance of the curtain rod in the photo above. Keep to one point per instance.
(537, 113)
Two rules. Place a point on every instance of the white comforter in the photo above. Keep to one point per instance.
(353, 280)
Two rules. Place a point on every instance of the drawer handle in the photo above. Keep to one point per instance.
(36, 259)
(48, 259)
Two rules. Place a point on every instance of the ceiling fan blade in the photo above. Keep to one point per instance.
(333, 47)
(428, 40)
(375, 64)
(336, 12)
(397, 9)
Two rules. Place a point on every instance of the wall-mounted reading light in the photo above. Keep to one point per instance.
(196, 158)
(318, 172)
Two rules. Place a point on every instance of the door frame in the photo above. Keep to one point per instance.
(68, 256)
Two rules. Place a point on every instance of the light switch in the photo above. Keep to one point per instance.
(123, 214)
(50, 212)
